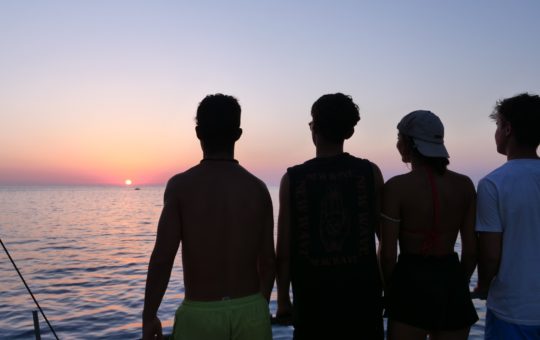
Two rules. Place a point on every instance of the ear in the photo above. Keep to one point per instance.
(238, 134)
(349, 133)
(508, 129)
(198, 132)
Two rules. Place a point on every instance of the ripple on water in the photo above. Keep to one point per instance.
(84, 252)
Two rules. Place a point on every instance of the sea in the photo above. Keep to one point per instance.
(83, 251)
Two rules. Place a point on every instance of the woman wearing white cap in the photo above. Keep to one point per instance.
(424, 210)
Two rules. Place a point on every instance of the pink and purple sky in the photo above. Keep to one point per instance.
(95, 92)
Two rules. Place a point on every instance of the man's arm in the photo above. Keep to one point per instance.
(490, 231)
(267, 255)
(390, 214)
(378, 184)
(161, 263)
(284, 306)
(490, 247)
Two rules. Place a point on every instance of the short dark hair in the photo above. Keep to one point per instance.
(523, 113)
(218, 120)
(334, 116)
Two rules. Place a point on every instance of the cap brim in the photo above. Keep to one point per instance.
(431, 149)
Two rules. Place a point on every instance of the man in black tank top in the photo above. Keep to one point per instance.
(328, 219)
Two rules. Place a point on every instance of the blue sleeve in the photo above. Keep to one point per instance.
(488, 217)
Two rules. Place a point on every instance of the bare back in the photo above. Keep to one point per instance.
(432, 212)
(226, 223)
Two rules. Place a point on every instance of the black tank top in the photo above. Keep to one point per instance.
(334, 270)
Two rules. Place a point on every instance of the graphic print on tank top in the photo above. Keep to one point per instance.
(334, 224)
(332, 218)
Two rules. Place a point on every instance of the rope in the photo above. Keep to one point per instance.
(28, 288)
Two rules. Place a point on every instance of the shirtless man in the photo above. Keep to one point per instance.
(223, 217)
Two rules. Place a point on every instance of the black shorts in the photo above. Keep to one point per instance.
(341, 320)
(361, 329)
(430, 292)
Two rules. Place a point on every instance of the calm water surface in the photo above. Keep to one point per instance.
(84, 252)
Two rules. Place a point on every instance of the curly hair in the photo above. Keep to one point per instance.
(334, 116)
(523, 113)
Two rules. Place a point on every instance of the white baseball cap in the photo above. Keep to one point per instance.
(427, 132)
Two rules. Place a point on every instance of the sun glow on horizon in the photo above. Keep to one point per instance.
(143, 80)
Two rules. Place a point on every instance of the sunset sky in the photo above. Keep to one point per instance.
(96, 92)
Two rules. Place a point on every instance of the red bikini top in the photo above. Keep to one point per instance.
(432, 235)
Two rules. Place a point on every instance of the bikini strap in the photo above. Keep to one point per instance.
(432, 236)
(434, 197)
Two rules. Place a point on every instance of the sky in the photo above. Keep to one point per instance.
(96, 92)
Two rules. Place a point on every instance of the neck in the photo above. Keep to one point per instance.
(417, 164)
(527, 155)
(519, 152)
(221, 155)
(328, 149)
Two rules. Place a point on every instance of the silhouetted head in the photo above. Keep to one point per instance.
(218, 122)
(421, 136)
(334, 117)
(522, 113)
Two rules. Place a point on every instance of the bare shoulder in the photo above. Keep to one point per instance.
(285, 179)
(398, 181)
(396, 186)
(251, 177)
(177, 183)
(461, 181)
(376, 171)
(254, 181)
(178, 180)
(284, 186)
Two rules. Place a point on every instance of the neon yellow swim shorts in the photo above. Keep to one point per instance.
(245, 318)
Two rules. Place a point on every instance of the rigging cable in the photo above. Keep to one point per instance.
(28, 288)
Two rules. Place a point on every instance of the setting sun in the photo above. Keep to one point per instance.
(128, 182)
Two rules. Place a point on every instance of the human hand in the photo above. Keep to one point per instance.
(282, 319)
(152, 329)
(479, 293)
(283, 314)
